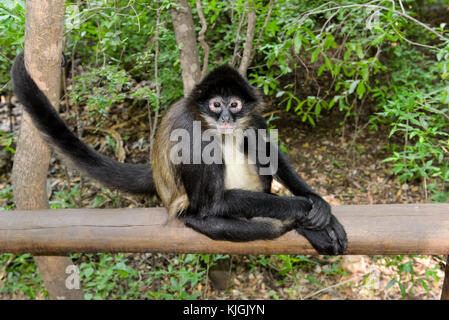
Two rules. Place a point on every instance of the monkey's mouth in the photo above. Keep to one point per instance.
(225, 128)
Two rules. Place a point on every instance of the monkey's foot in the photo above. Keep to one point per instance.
(331, 240)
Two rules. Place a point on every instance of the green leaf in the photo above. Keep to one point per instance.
(123, 273)
(299, 106)
(328, 64)
(378, 39)
(353, 86)
(88, 272)
(321, 70)
(330, 42)
(289, 105)
(297, 42)
(315, 53)
(361, 89)
(390, 284)
(401, 286)
(359, 51)
(312, 122)
(280, 94)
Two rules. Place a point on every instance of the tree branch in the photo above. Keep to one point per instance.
(237, 36)
(246, 57)
(261, 31)
(201, 38)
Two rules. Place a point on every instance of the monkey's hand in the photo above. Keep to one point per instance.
(319, 215)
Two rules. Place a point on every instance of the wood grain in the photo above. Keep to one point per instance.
(373, 229)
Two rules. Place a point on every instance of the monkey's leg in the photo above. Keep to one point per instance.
(288, 176)
(250, 204)
(220, 228)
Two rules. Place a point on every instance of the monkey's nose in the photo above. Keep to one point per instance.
(225, 118)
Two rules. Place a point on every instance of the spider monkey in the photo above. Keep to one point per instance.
(222, 199)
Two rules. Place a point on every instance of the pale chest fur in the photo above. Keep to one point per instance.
(239, 173)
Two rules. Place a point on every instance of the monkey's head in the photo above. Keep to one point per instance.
(224, 100)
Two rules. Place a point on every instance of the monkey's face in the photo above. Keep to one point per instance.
(224, 113)
(225, 101)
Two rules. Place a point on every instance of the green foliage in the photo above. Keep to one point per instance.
(99, 89)
(105, 276)
(121, 33)
(19, 276)
(108, 276)
(405, 273)
(416, 106)
(12, 26)
(333, 47)
(183, 278)
(65, 198)
(6, 141)
(6, 198)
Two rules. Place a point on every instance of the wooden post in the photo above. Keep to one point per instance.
(445, 290)
(43, 49)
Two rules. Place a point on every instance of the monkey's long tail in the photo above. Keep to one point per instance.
(135, 178)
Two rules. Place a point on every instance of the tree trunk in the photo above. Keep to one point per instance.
(186, 40)
(43, 48)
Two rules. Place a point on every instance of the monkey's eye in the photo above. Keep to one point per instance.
(236, 105)
(215, 105)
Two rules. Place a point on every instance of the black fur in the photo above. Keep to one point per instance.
(135, 178)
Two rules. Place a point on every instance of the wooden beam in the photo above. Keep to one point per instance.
(375, 229)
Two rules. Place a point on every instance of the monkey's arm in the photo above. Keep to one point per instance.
(288, 176)
(133, 178)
